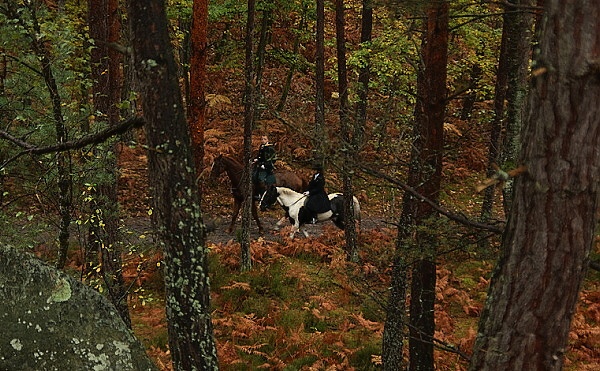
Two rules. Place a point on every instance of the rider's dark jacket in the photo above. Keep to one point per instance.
(317, 202)
(266, 157)
(264, 166)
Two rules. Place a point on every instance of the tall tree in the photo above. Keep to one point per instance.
(249, 106)
(430, 113)
(319, 80)
(519, 18)
(364, 73)
(424, 176)
(105, 29)
(41, 49)
(198, 76)
(266, 24)
(497, 125)
(346, 125)
(175, 199)
(545, 251)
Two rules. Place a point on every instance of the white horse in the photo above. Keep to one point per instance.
(293, 203)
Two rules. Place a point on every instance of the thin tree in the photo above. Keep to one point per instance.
(550, 232)
(497, 126)
(196, 108)
(424, 176)
(261, 50)
(430, 113)
(105, 29)
(40, 48)
(519, 17)
(364, 73)
(175, 200)
(319, 133)
(346, 125)
(249, 111)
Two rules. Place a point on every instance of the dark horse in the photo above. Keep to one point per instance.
(234, 170)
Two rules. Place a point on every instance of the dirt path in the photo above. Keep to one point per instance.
(217, 226)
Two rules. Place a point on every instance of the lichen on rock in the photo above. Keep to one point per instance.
(50, 321)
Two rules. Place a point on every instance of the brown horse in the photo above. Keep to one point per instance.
(234, 170)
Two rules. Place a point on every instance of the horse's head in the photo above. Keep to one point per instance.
(217, 167)
(268, 198)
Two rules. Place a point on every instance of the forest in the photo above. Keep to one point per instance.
(465, 131)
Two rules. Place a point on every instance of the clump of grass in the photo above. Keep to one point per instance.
(362, 359)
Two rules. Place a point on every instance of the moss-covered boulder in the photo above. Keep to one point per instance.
(50, 321)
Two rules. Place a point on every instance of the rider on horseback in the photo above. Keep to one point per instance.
(317, 202)
(264, 163)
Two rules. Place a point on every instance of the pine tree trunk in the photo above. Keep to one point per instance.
(545, 251)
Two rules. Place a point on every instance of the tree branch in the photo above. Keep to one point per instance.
(99, 137)
(452, 216)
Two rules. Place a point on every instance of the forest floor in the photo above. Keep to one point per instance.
(303, 306)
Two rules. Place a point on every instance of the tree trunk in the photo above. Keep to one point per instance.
(249, 110)
(545, 251)
(175, 199)
(63, 159)
(345, 127)
(364, 74)
(493, 158)
(319, 134)
(198, 76)
(105, 28)
(261, 50)
(471, 96)
(430, 113)
(413, 234)
(519, 36)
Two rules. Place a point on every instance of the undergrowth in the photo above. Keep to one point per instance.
(304, 307)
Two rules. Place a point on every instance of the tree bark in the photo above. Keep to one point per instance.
(424, 176)
(320, 132)
(430, 114)
(519, 36)
(545, 250)
(346, 125)
(249, 111)
(498, 126)
(104, 236)
(175, 199)
(198, 76)
(261, 51)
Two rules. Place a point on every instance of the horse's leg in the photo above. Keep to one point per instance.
(255, 215)
(280, 222)
(295, 227)
(236, 210)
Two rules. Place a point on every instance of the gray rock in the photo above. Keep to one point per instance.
(50, 321)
